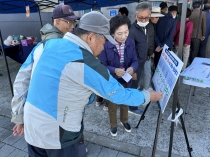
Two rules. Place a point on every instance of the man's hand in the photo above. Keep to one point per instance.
(185, 45)
(119, 72)
(202, 38)
(155, 96)
(158, 49)
(18, 129)
(130, 70)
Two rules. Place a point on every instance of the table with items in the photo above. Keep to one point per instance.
(197, 75)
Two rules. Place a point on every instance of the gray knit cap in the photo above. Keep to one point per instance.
(96, 22)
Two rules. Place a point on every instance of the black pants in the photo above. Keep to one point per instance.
(157, 57)
(194, 48)
(75, 150)
(202, 49)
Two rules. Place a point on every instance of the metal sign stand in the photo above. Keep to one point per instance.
(142, 116)
(176, 103)
(172, 125)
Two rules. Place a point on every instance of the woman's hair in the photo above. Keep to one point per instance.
(118, 21)
(189, 12)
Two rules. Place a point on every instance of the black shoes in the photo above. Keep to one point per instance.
(99, 100)
(113, 131)
(127, 127)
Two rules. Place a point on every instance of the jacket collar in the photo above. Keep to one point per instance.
(139, 28)
(75, 39)
(110, 45)
(169, 15)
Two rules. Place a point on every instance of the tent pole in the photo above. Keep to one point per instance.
(176, 89)
(40, 16)
(5, 59)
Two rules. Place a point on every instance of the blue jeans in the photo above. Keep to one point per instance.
(147, 73)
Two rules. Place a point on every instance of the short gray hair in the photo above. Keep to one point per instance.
(143, 6)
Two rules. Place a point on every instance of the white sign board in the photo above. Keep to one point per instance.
(198, 73)
(166, 75)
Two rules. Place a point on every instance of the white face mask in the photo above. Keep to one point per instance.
(174, 17)
(142, 24)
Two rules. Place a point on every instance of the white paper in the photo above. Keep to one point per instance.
(127, 77)
(197, 74)
(198, 69)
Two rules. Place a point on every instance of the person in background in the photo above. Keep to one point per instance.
(119, 59)
(187, 38)
(164, 8)
(49, 99)
(207, 9)
(63, 20)
(155, 15)
(202, 51)
(123, 11)
(199, 30)
(99, 100)
(139, 33)
(149, 64)
(165, 29)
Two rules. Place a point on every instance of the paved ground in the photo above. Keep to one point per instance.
(138, 142)
(11, 146)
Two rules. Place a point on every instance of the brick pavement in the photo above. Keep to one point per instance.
(11, 146)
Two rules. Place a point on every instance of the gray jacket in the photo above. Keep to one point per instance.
(49, 32)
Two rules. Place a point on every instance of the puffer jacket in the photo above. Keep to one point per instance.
(50, 32)
(53, 86)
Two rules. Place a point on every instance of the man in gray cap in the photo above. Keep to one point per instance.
(63, 20)
(56, 82)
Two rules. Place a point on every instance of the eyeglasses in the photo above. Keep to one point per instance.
(143, 18)
(69, 22)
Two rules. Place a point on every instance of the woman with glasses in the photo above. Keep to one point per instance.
(119, 59)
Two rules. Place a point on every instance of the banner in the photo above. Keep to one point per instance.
(166, 75)
(27, 11)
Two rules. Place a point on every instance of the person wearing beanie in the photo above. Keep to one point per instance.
(58, 80)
